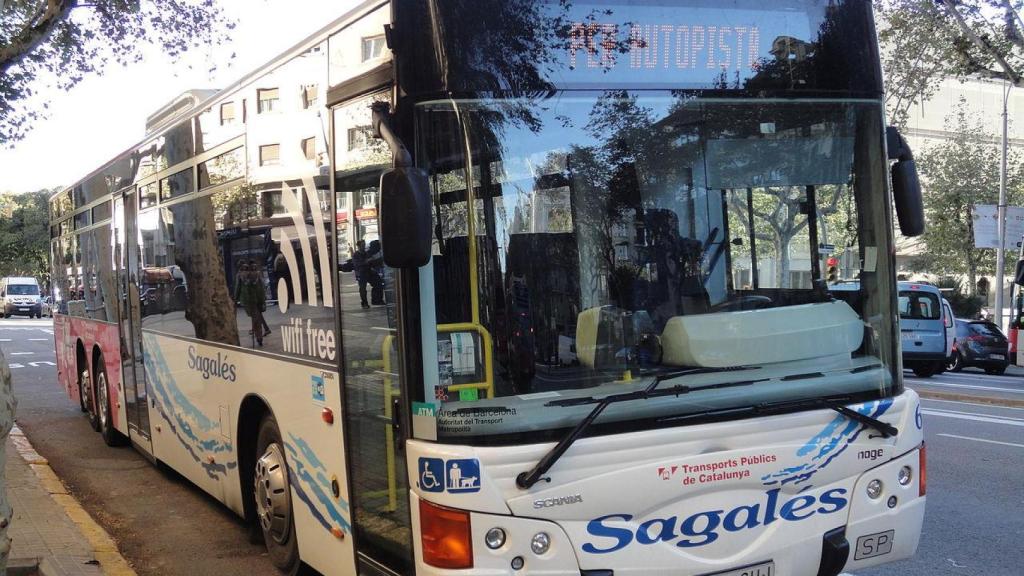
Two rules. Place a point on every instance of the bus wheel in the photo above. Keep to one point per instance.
(88, 405)
(110, 434)
(274, 499)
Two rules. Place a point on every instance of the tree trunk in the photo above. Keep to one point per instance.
(7, 405)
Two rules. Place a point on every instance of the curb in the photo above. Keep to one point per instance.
(104, 547)
(955, 397)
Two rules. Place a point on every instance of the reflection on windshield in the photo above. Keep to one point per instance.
(617, 236)
(23, 289)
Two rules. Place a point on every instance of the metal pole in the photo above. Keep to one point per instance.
(1001, 216)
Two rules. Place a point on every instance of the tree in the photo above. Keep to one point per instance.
(60, 42)
(958, 174)
(925, 41)
(25, 235)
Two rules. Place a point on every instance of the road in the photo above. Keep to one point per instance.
(165, 526)
(975, 477)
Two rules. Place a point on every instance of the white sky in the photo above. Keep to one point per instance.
(104, 115)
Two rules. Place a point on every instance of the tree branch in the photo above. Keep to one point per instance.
(35, 32)
(983, 45)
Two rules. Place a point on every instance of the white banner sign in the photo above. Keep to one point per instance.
(985, 226)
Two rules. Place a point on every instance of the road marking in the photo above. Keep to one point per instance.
(975, 417)
(982, 440)
(20, 353)
(41, 363)
(5, 339)
(38, 339)
(979, 377)
(15, 365)
(972, 387)
(997, 406)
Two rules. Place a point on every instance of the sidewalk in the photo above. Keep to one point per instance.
(52, 534)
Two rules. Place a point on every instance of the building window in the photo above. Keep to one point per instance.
(176, 184)
(359, 137)
(227, 113)
(270, 155)
(268, 100)
(309, 148)
(309, 96)
(373, 47)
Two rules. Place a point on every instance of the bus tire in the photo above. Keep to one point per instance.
(111, 436)
(273, 497)
(85, 391)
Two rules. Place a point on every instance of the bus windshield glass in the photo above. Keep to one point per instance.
(615, 237)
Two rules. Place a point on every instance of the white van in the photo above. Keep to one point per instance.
(20, 295)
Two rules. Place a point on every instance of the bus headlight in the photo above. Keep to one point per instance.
(495, 538)
(874, 489)
(904, 476)
(540, 543)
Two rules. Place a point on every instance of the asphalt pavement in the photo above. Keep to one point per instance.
(165, 526)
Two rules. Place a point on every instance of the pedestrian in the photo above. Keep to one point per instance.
(361, 265)
(375, 259)
(249, 293)
(258, 273)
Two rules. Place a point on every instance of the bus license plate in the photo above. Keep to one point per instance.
(762, 569)
(873, 545)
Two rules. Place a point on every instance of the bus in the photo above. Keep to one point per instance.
(600, 340)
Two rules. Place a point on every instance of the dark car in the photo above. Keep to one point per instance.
(979, 343)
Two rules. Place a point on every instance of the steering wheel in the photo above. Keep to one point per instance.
(747, 302)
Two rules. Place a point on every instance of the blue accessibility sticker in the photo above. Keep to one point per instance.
(463, 475)
(431, 471)
(458, 476)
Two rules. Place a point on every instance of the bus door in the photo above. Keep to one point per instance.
(371, 385)
(132, 368)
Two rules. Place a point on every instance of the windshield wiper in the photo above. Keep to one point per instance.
(526, 480)
(837, 403)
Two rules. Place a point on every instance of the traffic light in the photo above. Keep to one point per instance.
(833, 270)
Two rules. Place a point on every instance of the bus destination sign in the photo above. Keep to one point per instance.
(663, 46)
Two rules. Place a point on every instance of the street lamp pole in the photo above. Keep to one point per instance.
(1001, 215)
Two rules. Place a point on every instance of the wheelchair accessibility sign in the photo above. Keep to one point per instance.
(453, 476)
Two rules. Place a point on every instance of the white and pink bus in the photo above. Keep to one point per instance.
(500, 287)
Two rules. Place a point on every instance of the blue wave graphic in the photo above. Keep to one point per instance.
(310, 482)
(826, 445)
(182, 417)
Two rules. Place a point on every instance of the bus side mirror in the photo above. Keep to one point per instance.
(906, 187)
(1018, 275)
(405, 217)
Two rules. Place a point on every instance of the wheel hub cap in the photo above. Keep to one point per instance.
(273, 501)
(101, 392)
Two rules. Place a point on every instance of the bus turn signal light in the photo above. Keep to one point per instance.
(445, 534)
(923, 465)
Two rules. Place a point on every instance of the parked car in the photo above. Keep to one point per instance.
(46, 308)
(923, 328)
(979, 343)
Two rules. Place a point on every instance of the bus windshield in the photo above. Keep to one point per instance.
(619, 236)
